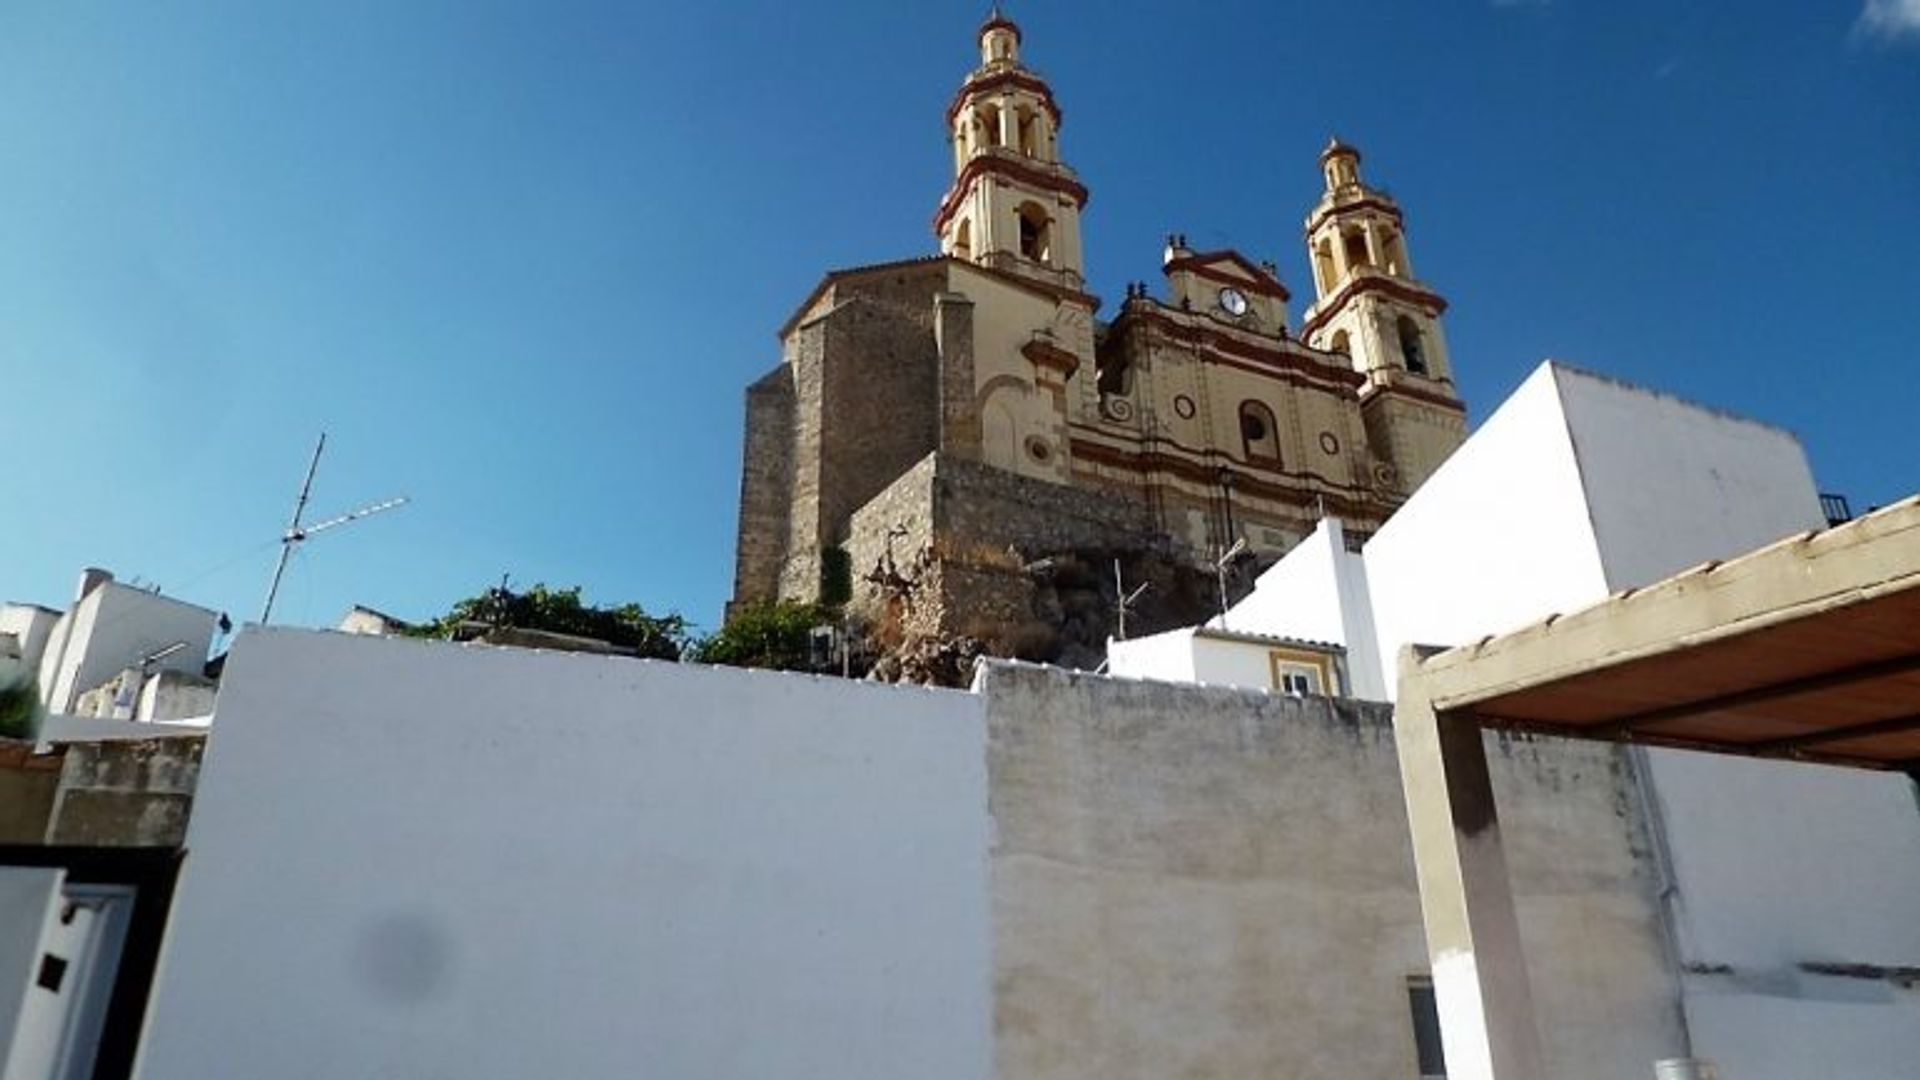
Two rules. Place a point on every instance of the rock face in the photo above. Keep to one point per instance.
(1057, 607)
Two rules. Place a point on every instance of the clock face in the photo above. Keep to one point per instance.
(1233, 301)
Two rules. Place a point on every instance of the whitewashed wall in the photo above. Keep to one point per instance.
(1496, 538)
(112, 627)
(1579, 486)
(423, 860)
(1167, 656)
(1319, 592)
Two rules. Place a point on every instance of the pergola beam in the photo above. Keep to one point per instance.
(1867, 560)
(1761, 695)
(1891, 726)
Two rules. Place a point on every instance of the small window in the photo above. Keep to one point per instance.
(1426, 1029)
(1342, 343)
(1298, 680)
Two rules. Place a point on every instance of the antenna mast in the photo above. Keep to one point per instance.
(296, 534)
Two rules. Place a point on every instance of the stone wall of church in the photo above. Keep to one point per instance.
(966, 533)
(766, 487)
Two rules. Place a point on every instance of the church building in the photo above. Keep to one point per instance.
(939, 424)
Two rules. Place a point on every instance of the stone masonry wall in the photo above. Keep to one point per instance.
(766, 487)
(969, 532)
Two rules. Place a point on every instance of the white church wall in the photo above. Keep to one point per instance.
(422, 859)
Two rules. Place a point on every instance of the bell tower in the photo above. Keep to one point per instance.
(1372, 309)
(1013, 205)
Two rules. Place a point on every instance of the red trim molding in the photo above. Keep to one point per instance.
(1268, 361)
(1009, 168)
(1425, 396)
(1019, 80)
(1203, 265)
(1356, 500)
(1374, 283)
(1369, 203)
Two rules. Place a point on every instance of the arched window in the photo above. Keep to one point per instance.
(1412, 349)
(990, 125)
(1029, 128)
(1036, 233)
(1259, 436)
(963, 240)
(1341, 343)
(1356, 250)
(1323, 265)
(1396, 255)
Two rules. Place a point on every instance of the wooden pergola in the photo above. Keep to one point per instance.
(1806, 650)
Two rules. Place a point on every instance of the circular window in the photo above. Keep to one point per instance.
(1183, 406)
(1328, 443)
(1038, 450)
(1252, 428)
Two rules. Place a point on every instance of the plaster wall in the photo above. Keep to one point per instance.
(1496, 538)
(1202, 882)
(113, 626)
(1670, 484)
(1166, 656)
(1580, 486)
(1319, 592)
(500, 863)
(1232, 663)
(31, 625)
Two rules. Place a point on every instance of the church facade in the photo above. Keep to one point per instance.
(939, 425)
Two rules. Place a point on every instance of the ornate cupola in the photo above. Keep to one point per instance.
(1013, 205)
(1369, 306)
(1372, 309)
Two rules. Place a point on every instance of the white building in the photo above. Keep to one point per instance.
(1775, 876)
(120, 652)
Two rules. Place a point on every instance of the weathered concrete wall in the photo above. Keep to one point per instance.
(27, 785)
(1206, 883)
(419, 859)
(126, 793)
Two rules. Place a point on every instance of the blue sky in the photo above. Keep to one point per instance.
(519, 260)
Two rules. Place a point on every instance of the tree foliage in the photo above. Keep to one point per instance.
(19, 708)
(561, 611)
(772, 635)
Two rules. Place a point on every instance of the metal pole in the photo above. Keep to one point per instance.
(1120, 598)
(293, 535)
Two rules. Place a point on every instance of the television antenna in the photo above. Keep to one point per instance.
(298, 534)
(1220, 568)
(1127, 599)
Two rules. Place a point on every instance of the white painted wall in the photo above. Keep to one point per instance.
(1231, 663)
(29, 910)
(428, 860)
(1579, 486)
(31, 624)
(1496, 538)
(1167, 656)
(1319, 592)
(115, 625)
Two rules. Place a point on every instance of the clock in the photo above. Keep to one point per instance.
(1233, 301)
